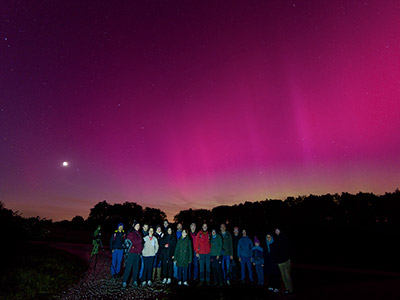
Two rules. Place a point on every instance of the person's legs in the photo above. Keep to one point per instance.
(185, 274)
(195, 267)
(113, 263)
(179, 274)
(225, 266)
(202, 263)
(248, 263)
(128, 268)
(207, 259)
(260, 274)
(120, 254)
(141, 267)
(164, 268)
(243, 268)
(285, 269)
(136, 266)
(214, 268)
(219, 270)
(170, 268)
(175, 270)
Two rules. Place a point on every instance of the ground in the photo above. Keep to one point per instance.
(311, 282)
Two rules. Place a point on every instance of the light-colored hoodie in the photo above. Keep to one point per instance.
(150, 246)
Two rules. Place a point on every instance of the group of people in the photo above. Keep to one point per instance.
(165, 254)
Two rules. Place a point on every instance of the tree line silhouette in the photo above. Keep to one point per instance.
(332, 228)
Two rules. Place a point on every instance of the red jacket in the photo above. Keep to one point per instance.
(202, 243)
(136, 238)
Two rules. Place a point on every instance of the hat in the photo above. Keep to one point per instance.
(120, 224)
(256, 240)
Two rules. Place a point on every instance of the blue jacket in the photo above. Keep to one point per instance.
(257, 256)
(244, 247)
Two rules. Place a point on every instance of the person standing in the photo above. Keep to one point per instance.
(284, 263)
(145, 232)
(271, 265)
(157, 261)
(133, 260)
(203, 248)
(216, 257)
(194, 266)
(244, 252)
(227, 253)
(235, 263)
(116, 247)
(149, 253)
(183, 256)
(178, 235)
(257, 258)
(168, 244)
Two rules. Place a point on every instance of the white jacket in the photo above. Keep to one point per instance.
(150, 246)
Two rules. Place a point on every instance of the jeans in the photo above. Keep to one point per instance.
(116, 262)
(217, 269)
(148, 267)
(246, 262)
(182, 274)
(157, 261)
(175, 270)
(204, 262)
(194, 268)
(141, 267)
(226, 259)
(260, 274)
(132, 265)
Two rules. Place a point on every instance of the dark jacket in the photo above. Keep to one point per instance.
(117, 240)
(283, 251)
(183, 252)
(136, 238)
(244, 247)
(159, 238)
(227, 246)
(271, 259)
(235, 243)
(216, 245)
(168, 244)
(257, 255)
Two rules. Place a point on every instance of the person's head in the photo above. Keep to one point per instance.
(158, 229)
(277, 231)
(169, 230)
(184, 233)
(236, 230)
(179, 227)
(204, 227)
(136, 226)
(193, 227)
(151, 231)
(256, 241)
(120, 227)
(269, 237)
(166, 224)
(213, 232)
(223, 227)
(146, 227)
(244, 232)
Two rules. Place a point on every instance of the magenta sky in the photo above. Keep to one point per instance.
(178, 104)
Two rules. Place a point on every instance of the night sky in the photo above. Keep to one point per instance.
(193, 104)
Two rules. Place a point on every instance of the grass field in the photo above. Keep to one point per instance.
(38, 272)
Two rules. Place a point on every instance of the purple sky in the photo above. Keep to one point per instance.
(178, 104)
